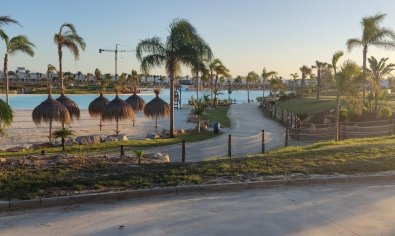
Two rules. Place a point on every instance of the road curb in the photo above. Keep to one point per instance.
(180, 190)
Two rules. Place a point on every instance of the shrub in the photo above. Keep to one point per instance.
(386, 113)
(343, 114)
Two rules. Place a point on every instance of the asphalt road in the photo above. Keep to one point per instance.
(357, 209)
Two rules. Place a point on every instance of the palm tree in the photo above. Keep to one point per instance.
(218, 67)
(276, 84)
(5, 20)
(63, 133)
(372, 35)
(17, 44)
(6, 116)
(250, 78)
(379, 70)
(305, 72)
(200, 106)
(98, 76)
(294, 77)
(265, 76)
(319, 66)
(68, 37)
(183, 46)
(197, 67)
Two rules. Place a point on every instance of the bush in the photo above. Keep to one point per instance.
(354, 114)
(386, 113)
(343, 114)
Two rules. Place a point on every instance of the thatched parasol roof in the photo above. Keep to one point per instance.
(136, 102)
(97, 106)
(50, 110)
(157, 107)
(71, 106)
(118, 109)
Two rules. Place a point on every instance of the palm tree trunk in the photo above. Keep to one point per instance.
(117, 127)
(100, 125)
(216, 89)
(7, 83)
(365, 52)
(60, 69)
(376, 98)
(171, 103)
(337, 118)
(156, 124)
(63, 144)
(318, 83)
(197, 85)
(198, 128)
(302, 85)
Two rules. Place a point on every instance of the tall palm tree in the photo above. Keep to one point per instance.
(265, 76)
(305, 70)
(5, 20)
(199, 67)
(372, 35)
(294, 78)
(217, 67)
(98, 76)
(68, 37)
(183, 46)
(251, 77)
(319, 66)
(17, 44)
(379, 70)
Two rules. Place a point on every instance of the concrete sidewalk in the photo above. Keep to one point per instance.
(247, 122)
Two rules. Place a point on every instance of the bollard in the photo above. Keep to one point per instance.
(230, 146)
(43, 152)
(286, 136)
(122, 151)
(183, 151)
(263, 141)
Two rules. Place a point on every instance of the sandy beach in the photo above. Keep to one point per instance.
(24, 132)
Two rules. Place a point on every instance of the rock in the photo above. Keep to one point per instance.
(90, 139)
(58, 158)
(116, 137)
(2, 159)
(166, 158)
(153, 136)
(181, 131)
(17, 149)
(160, 157)
(42, 145)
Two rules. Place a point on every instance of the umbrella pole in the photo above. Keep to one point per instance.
(50, 131)
(117, 131)
(100, 125)
(133, 122)
(156, 123)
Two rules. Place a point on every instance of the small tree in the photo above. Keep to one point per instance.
(139, 153)
(200, 107)
(6, 116)
(63, 133)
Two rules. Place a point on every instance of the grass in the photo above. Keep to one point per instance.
(107, 146)
(308, 105)
(218, 114)
(346, 157)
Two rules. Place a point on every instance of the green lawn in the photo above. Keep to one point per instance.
(346, 157)
(308, 105)
(218, 114)
(107, 146)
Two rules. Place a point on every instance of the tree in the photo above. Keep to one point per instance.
(17, 44)
(63, 133)
(305, 72)
(238, 81)
(6, 116)
(276, 84)
(346, 83)
(218, 67)
(250, 78)
(379, 69)
(183, 46)
(294, 77)
(68, 37)
(5, 20)
(265, 76)
(372, 35)
(319, 66)
(200, 106)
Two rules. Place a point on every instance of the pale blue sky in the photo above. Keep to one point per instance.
(281, 35)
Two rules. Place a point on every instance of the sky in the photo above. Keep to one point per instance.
(247, 35)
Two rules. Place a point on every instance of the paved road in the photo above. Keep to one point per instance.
(247, 122)
(325, 210)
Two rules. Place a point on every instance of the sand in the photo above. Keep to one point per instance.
(24, 132)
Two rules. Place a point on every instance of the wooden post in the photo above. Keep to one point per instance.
(275, 112)
(282, 115)
(263, 141)
(183, 151)
(122, 151)
(286, 136)
(230, 146)
(43, 152)
(292, 119)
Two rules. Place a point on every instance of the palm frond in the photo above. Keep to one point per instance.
(150, 46)
(354, 42)
(152, 61)
(72, 47)
(5, 20)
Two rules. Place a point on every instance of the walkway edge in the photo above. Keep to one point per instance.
(179, 190)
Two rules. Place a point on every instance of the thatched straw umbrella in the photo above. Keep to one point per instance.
(71, 106)
(118, 110)
(97, 107)
(50, 110)
(136, 102)
(157, 107)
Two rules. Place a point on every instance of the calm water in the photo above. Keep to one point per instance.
(30, 101)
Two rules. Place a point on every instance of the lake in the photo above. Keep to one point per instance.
(30, 101)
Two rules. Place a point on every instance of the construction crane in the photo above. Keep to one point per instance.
(116, 51)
